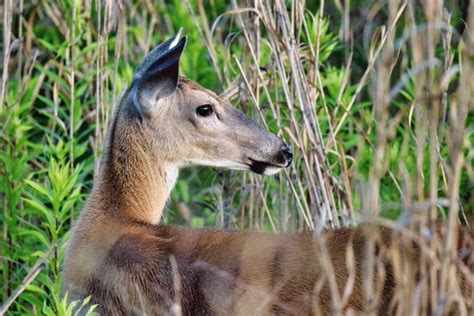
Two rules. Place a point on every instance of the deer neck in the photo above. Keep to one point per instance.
(133, 182)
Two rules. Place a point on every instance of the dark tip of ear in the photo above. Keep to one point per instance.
(158, 52)
(180, 44)
(169, 58)
(157, 76)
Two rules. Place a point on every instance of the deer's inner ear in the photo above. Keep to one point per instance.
(157, 78)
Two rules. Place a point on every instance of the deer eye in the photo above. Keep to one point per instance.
(204, 110)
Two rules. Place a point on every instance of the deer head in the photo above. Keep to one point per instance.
(190, 125)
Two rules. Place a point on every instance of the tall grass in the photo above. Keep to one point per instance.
(375, 99)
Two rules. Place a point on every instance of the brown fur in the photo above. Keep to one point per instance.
(131, 265)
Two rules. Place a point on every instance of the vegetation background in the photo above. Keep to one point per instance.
(375, 97)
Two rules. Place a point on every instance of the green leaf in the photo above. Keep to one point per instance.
(38, 188)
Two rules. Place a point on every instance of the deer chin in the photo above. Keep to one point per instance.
(256, 166)
(269, 171)
(228, 164)
(265, 168)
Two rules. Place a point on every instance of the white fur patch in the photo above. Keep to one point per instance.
(172, 173)
(229, 164)
(271, 170)
(176, 39)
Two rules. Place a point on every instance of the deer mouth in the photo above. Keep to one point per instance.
(262, 167)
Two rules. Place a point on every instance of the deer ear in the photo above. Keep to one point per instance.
(157, 76)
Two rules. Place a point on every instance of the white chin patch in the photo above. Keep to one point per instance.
(271, 170)
(172, 172)
(228, 164)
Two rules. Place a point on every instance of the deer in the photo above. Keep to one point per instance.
(129, 264)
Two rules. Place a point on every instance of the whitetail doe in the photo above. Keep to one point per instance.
(130, 265)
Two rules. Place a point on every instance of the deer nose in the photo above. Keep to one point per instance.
(287, 154)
